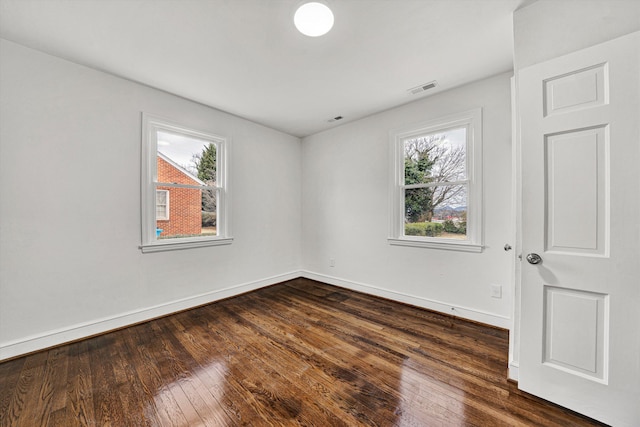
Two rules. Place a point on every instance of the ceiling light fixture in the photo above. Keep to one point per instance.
(313, 19)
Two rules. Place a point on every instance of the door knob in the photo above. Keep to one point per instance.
(534, 258)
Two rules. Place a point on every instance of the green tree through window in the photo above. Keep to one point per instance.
(206, 167)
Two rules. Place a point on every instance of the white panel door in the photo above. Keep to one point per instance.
(580, 311)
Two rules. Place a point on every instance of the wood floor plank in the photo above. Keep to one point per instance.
(155, 383)
(107, 406)
(133, 396)
(24, 407)
(79, 410)
(10, 374)
(54, 378)
(298, 353)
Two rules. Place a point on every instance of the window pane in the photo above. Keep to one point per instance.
(161, 204)
(192, 213)
(439, 211)
(161, 197)
(209, 212)
(437, 157)
(186, 160)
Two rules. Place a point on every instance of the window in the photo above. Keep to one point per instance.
(436, 184)
(185, 193)
(162, 204)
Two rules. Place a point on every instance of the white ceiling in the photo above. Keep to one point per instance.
(246, 57)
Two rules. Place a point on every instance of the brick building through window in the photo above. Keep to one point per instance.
(183, 205)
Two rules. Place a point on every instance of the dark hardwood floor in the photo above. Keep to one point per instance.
(298, 353)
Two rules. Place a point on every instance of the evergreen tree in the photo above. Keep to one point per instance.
(418, 201)
(206, 164)
(206, 167)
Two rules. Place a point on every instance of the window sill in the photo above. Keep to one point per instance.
(449, 245)
(174, 246)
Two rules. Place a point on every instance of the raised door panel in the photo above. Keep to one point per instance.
(576, 192)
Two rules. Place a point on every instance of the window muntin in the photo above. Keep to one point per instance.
(189, 167)
(436, 183)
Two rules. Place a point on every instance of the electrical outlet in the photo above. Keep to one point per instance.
(332, 262)
(496, 291)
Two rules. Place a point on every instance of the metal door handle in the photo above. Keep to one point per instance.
(534, 258)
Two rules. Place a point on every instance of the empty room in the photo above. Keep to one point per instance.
(319, 213)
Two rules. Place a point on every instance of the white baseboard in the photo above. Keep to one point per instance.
(513, 371)
(82, 330)
(455, 310)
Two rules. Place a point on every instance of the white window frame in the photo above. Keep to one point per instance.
(149, 176)
(166, 207)
(472, 121)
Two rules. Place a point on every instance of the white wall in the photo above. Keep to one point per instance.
(346, 214)
(70, 205)
(550, 28)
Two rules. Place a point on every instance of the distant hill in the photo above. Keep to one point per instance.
(449, 211)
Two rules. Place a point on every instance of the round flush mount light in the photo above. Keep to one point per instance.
(313, 19)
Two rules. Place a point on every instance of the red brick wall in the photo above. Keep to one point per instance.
(185, 205)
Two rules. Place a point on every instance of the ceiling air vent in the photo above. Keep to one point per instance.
(335, 118)
(422, 88)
